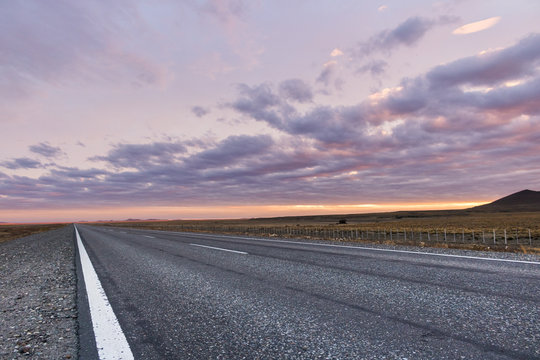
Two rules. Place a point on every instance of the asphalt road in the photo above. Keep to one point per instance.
(182, 296)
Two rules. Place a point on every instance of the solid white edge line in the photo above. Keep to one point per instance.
(375, 249)
(216, 248)
(110, 340)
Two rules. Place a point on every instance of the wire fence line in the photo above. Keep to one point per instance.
(499, 237)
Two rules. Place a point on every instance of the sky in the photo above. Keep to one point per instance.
(230, 108)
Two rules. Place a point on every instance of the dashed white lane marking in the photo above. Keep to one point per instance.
(375, 249)
(216, 248)
(148, 236)
(110, 340)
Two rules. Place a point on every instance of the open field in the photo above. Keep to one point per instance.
(500, 231)
(10, 231)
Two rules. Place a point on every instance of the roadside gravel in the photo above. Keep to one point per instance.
(38, 296)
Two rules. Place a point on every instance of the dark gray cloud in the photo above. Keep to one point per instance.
(432, 120)
(329, 76)
(267, 173)
(46, 150)
(408, 33)
(231, 150)
(296, 90)
(199, 111)
(260, 103)
(491, 68)
(21, 163)
(375, 68)
(76, 173)
(423, 139)
(143, 155)
(326, 74)
(514, 101)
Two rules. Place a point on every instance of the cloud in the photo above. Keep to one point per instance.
(329, 75)
(225, 11)
(408, 34)
(62, 41)
(296, 90)
(426, 137)
(21, 163)
(260, 103)
(199, 111)
(477, 26)
(230, 151)
(46, 150)
(382, 8)
(491, 68)
(75, 173)
(233, 163)
(439, 101)
(375, 67)
(336, 52)
(143, 155)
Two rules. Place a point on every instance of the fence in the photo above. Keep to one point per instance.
(489, 237)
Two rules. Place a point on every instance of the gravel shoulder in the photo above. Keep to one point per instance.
(38, 296)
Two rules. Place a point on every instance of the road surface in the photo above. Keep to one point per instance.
(208, 296)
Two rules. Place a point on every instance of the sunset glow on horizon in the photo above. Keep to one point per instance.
(224, 212)
(235, 109)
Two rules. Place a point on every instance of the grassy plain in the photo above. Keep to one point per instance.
(14, 231)
(514, 231)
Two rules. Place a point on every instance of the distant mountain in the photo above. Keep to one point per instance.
(525, 200)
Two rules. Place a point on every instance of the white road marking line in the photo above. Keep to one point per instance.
(148, 236)
(110, 340)
(378, 249)
(216, 248)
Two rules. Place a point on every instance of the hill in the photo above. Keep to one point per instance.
(525, 200)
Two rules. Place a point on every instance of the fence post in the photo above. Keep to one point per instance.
(473, 236)
(494, 237)
(505, 240)
(391, 234)
(444, 235)
(530, 240)
(462, 235)
(483, 237)
(517, 236)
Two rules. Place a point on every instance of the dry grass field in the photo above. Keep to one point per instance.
(466, 229)
(14, 231)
